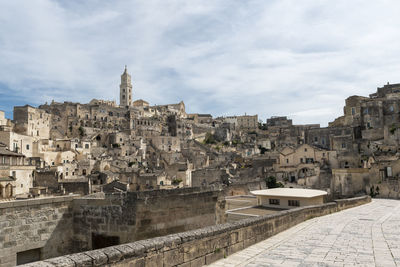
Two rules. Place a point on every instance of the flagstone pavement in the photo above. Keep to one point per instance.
(368, 235)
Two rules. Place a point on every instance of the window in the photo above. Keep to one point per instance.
(391, 108)
(301, 160)
(27, 147)
(353, 111)
(14, 174)
(389, 171)
(86, 146)
(273, 201)
(343, 145)
(366, 111)
(315, 139)
(294, 203)
(305, 149)
(287, 160)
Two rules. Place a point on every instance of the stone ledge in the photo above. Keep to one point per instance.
(36, 201)
(251, 230)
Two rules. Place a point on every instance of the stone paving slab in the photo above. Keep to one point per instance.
(368, 235)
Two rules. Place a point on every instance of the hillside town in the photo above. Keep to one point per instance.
(62, 148)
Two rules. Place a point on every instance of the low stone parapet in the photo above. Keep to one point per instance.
(202, 246)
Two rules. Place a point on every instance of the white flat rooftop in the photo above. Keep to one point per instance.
(289, 192)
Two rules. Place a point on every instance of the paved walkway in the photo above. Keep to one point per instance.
(368, 235)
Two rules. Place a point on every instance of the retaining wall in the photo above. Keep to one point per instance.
(36, 223)
(202, 246)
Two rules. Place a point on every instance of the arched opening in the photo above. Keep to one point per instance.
(9, 191)
(1, 191)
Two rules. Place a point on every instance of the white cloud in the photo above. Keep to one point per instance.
(297, 58)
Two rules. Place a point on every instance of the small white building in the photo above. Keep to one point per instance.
(288, 198)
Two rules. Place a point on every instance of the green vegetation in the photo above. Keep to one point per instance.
(271, 182)
(176, 181)
(81, 131)
(373, 192)
(262, 150)
(210, 139)
(393, 129)
(115, 145)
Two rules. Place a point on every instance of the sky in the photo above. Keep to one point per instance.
(297, 58)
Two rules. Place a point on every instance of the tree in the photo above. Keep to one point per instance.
(209, 139)
(271, 182)
(81, 131)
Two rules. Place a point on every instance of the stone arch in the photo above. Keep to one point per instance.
(1, 191)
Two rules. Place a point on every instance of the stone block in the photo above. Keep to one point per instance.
(38, 264)
(61, 262)
(198, 262)
(173, 257)
(133, 262)
(249, 242)
(153, 260)
(186, 264)
(195, 249)
(234, 248)
(138, 248)
(112, 253)
(80, 259)
(216, 255)
(97, 256)
(126, 251)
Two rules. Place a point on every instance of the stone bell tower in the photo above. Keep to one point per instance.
(125, 89)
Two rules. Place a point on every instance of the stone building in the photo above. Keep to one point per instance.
(247, 122)
(16, 173)
(282, 122)
(18, 143)
(32, 121)
(3, 120)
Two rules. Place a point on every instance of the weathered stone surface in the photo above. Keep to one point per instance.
(153, 260)
(113, 254)
(364, 236)
(205, 245)
(81, 259)
(98, 257)
(61, 262)
(198, 262)
(39, 264)
(173, 257)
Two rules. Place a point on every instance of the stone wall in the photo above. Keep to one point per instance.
(39, 229)
(202, 246)
(43, 224)
(122, 218)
